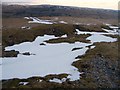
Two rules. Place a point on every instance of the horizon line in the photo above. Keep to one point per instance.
(29, 3)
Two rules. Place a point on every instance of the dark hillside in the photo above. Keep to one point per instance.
(52, 10)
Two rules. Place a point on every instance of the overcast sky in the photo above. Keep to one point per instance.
(107, 4)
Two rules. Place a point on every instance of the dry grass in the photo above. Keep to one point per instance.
(91, 20)
(19, 22)
(98, 64)
(15, 36)
(113, 36)
(106, 50)
(79, 38)
(92, 28)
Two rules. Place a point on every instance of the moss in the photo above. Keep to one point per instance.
(11, 84)
(110, 52)
(80, 38)
(90, 28)
(77, 48)
(34, 79)
(16, 36)
(106, 27)
(23, 86)
(11, 37)
(103, 57)
(88, 83)
(11, 53)
(59, 76)
(106, 50)
(56, 29)
(113, 36)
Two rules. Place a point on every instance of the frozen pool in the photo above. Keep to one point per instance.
(48, 59)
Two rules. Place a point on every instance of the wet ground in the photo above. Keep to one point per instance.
(42, 60)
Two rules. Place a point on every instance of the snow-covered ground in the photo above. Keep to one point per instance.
(49, 59)
(37, 20)
(100, 38)
(115, 31)
(63, 22)
(55, 80)
(23, 83)
(112, 32)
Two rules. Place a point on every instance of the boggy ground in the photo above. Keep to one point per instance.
(13, 36)
(17, 23)
(100, 65)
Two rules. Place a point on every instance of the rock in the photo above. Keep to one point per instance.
(76, 48)
(26, 53)
(42, 44)
(11, 53)
(79, 56)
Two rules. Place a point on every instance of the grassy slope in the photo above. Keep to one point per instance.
(100, 66)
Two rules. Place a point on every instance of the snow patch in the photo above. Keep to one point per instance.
(98, 33)
(37, 20)
(55, 80)
(63, 22)
(100, 38)
(92, 47)
(48, 59)
(64, 36)
(23, 83)
(26, 18)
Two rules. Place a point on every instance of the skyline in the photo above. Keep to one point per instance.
(104, 4)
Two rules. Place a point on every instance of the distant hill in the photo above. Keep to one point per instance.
(52, 10)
